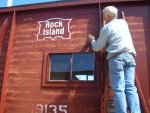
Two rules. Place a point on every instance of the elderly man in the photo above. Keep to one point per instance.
(116, 39)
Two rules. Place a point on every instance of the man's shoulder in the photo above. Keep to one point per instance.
(122, 21)
(105, 28)
(114, 23)
(117, 22)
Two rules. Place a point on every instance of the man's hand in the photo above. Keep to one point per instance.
(90, 38)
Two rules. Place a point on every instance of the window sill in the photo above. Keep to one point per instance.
(77, 84)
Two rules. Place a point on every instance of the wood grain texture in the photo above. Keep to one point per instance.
(23, 81)
(24, 88)
(4, 38)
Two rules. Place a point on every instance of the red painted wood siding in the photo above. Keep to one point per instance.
(24, 90)
(25, 72)
(5, 31)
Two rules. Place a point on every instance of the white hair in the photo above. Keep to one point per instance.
(111, 11)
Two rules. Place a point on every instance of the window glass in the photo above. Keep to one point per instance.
(83, 66)
(60, 67)
(78, 67)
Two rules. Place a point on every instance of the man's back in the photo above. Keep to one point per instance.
(119, 38)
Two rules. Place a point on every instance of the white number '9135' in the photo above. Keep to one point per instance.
(39, 108)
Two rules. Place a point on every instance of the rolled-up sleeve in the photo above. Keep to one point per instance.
(101, 41)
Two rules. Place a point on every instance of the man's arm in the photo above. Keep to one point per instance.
(101, 41)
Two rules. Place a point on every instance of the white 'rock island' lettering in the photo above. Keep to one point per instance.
(54, 28)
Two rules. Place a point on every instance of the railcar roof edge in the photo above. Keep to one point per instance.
(59, 4)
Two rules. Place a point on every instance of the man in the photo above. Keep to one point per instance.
(116, 39)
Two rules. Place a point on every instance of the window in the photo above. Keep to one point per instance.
(69, 70)
(59, 67)
(71, 67)
(82, 67)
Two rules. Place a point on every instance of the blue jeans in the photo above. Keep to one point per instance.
(122, 76)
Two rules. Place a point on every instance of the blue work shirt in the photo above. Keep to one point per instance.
(115, 38)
